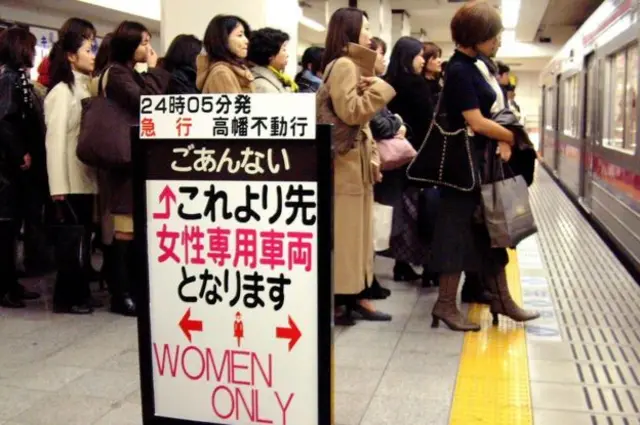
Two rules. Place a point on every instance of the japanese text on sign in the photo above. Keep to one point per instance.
(228, 116)
(234, 262)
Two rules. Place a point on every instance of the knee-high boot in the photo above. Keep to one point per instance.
(120, 279)
(446, 308)
(502, 302)
(475, 290)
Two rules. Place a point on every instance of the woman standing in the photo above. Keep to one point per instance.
(414, 103)
(222, 68)
(463, 241)
(180, 61)
(72, 184)
(130, 45)
(349, 98)
(17, 117)
(268, 53)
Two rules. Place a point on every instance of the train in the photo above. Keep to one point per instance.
(589, 123)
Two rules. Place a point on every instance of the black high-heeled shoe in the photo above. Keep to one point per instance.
(403, 272)
(344, 318)
(11, 301)
(80, 309)
(376, 291)
(429, 279)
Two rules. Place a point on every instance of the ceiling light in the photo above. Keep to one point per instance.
(310, 23)
(510, 13)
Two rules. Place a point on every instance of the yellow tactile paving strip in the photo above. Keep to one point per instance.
(493, 377)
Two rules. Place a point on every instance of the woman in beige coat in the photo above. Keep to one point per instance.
(349, 98)
(222, 68)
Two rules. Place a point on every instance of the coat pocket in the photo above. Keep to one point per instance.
(348, 177)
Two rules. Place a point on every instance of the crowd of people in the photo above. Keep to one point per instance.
(42, 181)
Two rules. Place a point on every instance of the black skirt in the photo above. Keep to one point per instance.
(461, 241)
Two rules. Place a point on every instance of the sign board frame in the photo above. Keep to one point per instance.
(320, 149)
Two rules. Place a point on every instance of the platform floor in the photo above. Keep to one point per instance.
(578, 365)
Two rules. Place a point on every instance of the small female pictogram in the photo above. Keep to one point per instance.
(238, 328)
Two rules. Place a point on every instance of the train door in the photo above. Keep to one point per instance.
(543, 121)
(557, 105)
(589, 129)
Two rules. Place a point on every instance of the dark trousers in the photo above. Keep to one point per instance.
(8, 275)
(72, 283)
(32, 198)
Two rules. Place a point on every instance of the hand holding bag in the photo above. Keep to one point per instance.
(105, 140)
(507, 211)
(394, 153)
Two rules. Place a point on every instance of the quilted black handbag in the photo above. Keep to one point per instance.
(438, 160)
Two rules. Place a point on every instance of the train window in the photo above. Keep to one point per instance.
(621, 89)
(631, 121)
(571, 106)
(548, 109)
(591, 93)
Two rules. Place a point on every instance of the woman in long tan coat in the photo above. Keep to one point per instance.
(349, 98)
(222, 68)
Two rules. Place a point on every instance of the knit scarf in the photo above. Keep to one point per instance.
(285, 79)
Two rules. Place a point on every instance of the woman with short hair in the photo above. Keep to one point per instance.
(461, 241)
(269, 56)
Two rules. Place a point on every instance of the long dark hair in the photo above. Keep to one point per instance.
(125, 41)
(402, 56)
(102, 57)
(344, 28)
(216, 38)
(312, 57)
(78, 25)
(60, 67)
(182, 52)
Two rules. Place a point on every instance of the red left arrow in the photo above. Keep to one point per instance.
(292, 333)
(187, 325)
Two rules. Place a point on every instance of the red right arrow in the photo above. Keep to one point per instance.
(167, 196)
(292, 333)
(187, 325)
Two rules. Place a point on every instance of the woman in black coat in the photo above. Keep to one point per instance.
(18, 117)
(180, 61)
(414, 103)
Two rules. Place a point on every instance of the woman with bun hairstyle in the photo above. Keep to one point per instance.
(350, 97)
(222, 68)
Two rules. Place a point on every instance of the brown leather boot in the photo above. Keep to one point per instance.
(446, 308)
(503, 303)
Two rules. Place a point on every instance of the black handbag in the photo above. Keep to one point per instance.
(437, 162)
(70, 238)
